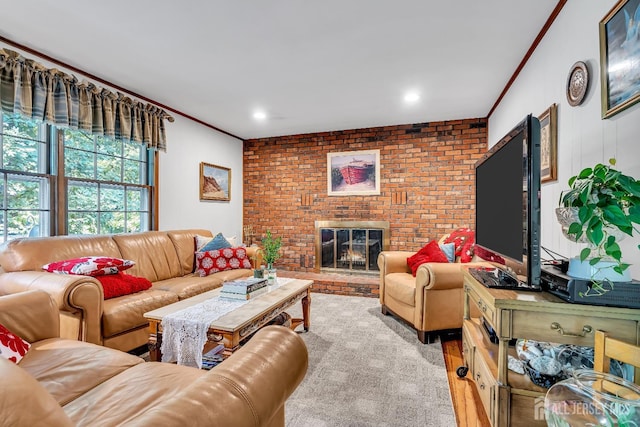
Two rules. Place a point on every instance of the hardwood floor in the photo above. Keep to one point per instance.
(466, 401)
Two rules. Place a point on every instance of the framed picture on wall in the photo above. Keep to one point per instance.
(215, 182)
(620, 57)
(353, 173)
(549, 144)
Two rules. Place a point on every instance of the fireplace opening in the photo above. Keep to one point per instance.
(350, 246)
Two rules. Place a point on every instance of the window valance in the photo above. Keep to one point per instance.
(29, 88)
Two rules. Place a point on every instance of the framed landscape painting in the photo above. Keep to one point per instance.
(620, 57)
(353, 173)
(215, 182)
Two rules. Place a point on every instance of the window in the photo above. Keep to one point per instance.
(106, 182)
(25, 185)
(103, 183)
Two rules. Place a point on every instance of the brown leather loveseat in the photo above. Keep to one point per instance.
(63, 382)
(166, 258)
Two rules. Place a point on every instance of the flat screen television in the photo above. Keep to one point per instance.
(508, 202)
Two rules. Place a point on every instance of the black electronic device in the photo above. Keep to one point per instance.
(500, 278)
(619, 294)
(508, 201)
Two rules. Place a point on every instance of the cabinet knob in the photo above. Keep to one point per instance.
(586, 329)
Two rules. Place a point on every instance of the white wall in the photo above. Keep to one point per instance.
(584, 139)
(188, 144)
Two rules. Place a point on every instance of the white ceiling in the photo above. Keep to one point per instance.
(310, 65)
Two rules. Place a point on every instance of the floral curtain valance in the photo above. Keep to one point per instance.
(29, 88)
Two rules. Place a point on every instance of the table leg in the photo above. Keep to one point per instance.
(306, 309)
(155, 342)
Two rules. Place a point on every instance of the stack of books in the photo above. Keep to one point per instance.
(244, 288)
(213, 357)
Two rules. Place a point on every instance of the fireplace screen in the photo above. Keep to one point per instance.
(350, 248)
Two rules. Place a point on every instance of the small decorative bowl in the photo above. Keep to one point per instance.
(543, 380)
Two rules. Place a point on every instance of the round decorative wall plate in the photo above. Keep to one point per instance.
(577, 83)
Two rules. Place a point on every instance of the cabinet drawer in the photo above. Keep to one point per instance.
(486, 309)
(568, 328)
(485, 383)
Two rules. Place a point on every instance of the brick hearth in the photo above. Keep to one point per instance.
(341, 284)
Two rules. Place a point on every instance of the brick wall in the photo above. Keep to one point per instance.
(426, 185)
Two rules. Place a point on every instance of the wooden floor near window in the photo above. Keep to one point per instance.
(466, 401)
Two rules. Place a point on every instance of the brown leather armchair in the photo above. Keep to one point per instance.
(431, 302)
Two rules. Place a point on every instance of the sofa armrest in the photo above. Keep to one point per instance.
(32, 315)
(70, 293)
(248, 389)
(440, 276)
(254, 253)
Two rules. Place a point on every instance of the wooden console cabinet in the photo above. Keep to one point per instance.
(510, 399)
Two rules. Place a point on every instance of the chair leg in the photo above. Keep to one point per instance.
(426, 337)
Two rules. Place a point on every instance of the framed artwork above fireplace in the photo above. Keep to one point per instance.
(353, 173)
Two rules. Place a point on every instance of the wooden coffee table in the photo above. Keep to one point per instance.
(234, 327)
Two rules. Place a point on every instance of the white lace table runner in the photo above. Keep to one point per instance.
(184, 333)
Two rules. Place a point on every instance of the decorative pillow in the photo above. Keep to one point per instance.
(487, 255)
(12, 347)
(205, 244)
(89, 266)
(463, 239)
(117, 285)
(210, 262)
(449, 250)
(431, 252)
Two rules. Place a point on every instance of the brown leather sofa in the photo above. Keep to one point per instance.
(431, 302)
(164, 257)
(63, 382)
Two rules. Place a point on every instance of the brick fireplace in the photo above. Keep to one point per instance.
(350, 246)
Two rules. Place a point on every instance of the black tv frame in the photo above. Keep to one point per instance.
(529, 262)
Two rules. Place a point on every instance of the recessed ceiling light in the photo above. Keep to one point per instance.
(411, 97)
(259, 115)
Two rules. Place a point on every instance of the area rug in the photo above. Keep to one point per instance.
(367, 369)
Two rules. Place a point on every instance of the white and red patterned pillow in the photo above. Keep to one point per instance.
(464, 239)
(12, 347)
(89, 266)
(220, 260)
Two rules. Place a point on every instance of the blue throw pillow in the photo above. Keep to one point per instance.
(449, 250)
(218, 242)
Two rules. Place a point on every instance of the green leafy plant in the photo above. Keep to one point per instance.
(608, 204)
(271, 248)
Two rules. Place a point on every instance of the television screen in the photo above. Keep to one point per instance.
(508, 199)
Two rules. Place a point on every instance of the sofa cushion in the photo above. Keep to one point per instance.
(449, 250)
(126, 313)
(221, 260)
(190, 285)
(27, 403)
(145, 386)
(183, 241)
(89, 266)
(12, 347)
(155, 255)
(430, 252)
(67, 369)
(117, 285)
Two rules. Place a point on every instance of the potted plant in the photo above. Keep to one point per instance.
(601, 207)
(271, 252)
(258, 268)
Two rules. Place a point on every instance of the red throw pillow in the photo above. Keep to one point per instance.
(487, 255)
(89, 266)
(220, 260)
(12, 347)
(431, 252)
(463, 239)
(117, 285)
